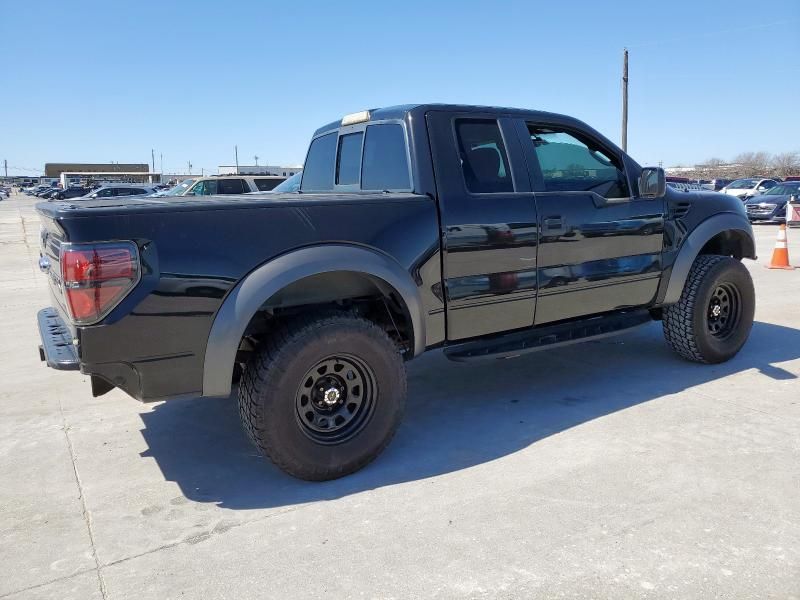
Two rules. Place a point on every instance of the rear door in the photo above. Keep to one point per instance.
(489, 223)
(600, 246)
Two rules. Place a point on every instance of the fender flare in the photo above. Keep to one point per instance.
(249, 294)
(695, 241)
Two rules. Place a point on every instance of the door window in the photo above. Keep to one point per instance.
(571, 164)
(231, 186)
(265, 185)
(483, 156)
(205, 188)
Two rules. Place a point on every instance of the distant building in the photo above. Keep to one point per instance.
(55, 169)
(258, 170)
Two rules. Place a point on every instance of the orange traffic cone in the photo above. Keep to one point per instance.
(780, 256)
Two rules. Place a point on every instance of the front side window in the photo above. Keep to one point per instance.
(385, 160)
(570, 164)
(483, 156)
(318, 170)
(348, 161)
(106, 193)
(231, 186)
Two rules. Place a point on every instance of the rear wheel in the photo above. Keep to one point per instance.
(712, 320)
(323, 397)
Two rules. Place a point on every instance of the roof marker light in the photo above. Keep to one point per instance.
(358, 117)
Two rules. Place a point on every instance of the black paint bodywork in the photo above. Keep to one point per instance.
(478, 265)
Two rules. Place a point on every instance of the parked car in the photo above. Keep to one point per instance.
(4, 193)
(177, 190)
(771, 205)
(117, 190)
(717, 184)
(70, 192)
(749, 187)
(49, 193)
(415, 229)
(233, 184)
(291, 185)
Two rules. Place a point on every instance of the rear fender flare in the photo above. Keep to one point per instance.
(242, 303)
(695, 241)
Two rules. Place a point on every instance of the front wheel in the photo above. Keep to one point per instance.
(712, 320)
(323, 397)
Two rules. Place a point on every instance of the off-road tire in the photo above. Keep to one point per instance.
(268, 395)
(686, 323)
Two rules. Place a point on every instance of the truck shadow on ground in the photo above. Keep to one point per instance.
(458, 415)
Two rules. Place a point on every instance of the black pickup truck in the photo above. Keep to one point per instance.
(488, 232)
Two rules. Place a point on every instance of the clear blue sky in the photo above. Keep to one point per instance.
(100, 81)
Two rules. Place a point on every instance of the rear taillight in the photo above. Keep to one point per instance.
(96, 277)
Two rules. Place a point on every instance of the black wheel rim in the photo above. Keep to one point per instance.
(724, 310)
(335, 399)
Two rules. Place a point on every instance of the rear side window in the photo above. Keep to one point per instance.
(483, 156)
(385, 159)
(265, 185)
(231, 186)
(348, 161)
(318, 172)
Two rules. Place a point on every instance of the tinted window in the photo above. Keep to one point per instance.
(231, 186)
(570, 164)
(318, 171)
(265, 185)
(348, 162)
(385, 160)
(483, 157)
(768, 184)
(105, 193)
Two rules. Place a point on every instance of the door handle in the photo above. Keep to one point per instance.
(554, 223)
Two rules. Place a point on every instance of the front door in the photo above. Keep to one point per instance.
(489, 224)
(600, 245)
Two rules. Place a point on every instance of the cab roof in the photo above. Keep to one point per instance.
(400, 112)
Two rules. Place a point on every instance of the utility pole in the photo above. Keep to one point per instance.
(256, 159)
(190, 167)
(625, 100)
(153, 157)
(5, 167)
(161, 156)
(236, 152)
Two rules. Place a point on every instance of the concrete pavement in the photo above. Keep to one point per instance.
(545, 476)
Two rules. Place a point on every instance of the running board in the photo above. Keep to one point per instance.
(548, 336)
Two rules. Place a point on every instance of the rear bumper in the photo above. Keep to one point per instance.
(56, 349)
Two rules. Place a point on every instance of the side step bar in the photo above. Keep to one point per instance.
(548, 336)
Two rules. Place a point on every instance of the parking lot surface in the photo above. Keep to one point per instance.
(611, 469)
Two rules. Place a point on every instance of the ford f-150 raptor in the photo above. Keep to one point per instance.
(488, 232)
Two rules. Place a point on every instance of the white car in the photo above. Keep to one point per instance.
(747, 188)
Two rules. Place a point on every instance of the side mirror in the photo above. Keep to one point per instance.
(652, 182)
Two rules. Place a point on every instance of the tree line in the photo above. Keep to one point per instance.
(746, 164)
